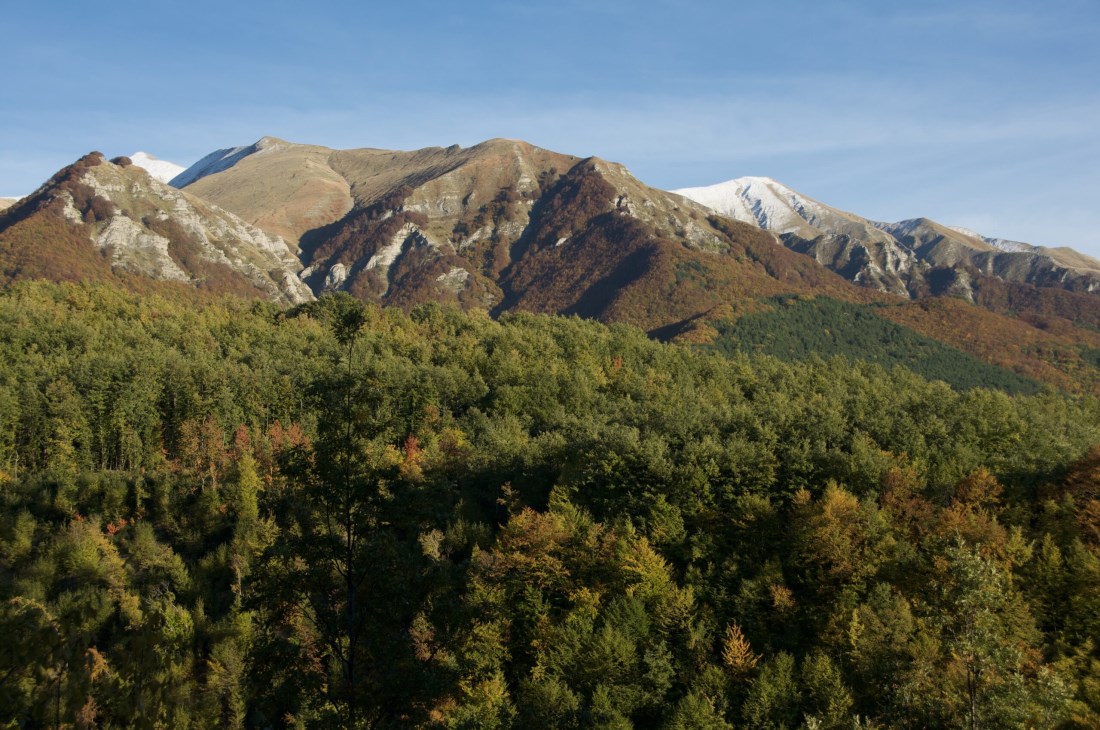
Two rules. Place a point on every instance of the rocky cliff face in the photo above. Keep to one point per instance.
(1011, 261)
(141, 226)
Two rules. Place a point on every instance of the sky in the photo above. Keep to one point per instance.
(978, 114)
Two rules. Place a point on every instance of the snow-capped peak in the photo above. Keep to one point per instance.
(220, 160)
(160, 169)
(761, 201)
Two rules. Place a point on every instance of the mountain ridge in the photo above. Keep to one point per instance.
(907, 258)
(110, 217)
(508, 226)
(493, 225)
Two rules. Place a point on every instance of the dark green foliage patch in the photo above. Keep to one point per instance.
(796, 328)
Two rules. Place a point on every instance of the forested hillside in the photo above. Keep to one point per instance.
(223, 514)
(796, 328)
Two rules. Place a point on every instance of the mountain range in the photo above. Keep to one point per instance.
(506, 225)
(908, 258)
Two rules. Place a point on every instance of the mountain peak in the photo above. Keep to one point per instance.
(109, 221)
(214, 162)
(746, 180)
(891, 257)
(764, 202)
(268, 142)
(160, 169)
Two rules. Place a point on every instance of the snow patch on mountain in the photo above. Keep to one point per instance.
(902, 228)
(761, 201)
(221, 160)
(1000, 243)
(214, 162)
(966, 231)
(160, 169)
(766, 203)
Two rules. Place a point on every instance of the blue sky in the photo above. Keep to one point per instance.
(982, 114)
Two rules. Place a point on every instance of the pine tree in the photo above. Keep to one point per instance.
(737, 655)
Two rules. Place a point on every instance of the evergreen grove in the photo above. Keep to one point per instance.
(221, 514)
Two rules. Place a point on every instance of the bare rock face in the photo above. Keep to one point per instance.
(133, 247)
(142, 226)
(166, 233)
(1010, 261)
(876, 264)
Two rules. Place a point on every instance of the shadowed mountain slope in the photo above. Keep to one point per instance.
(500, 225)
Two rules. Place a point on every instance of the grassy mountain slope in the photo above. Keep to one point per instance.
(283, 188)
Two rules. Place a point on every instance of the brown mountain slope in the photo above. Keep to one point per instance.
(601, 245)
(283, 188)
(1048, 349)
(99, 220)
(506, 225)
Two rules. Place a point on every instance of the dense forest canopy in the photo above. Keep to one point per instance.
(795, 328)
(226, 514)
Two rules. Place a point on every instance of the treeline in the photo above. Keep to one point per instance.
(229, 515)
